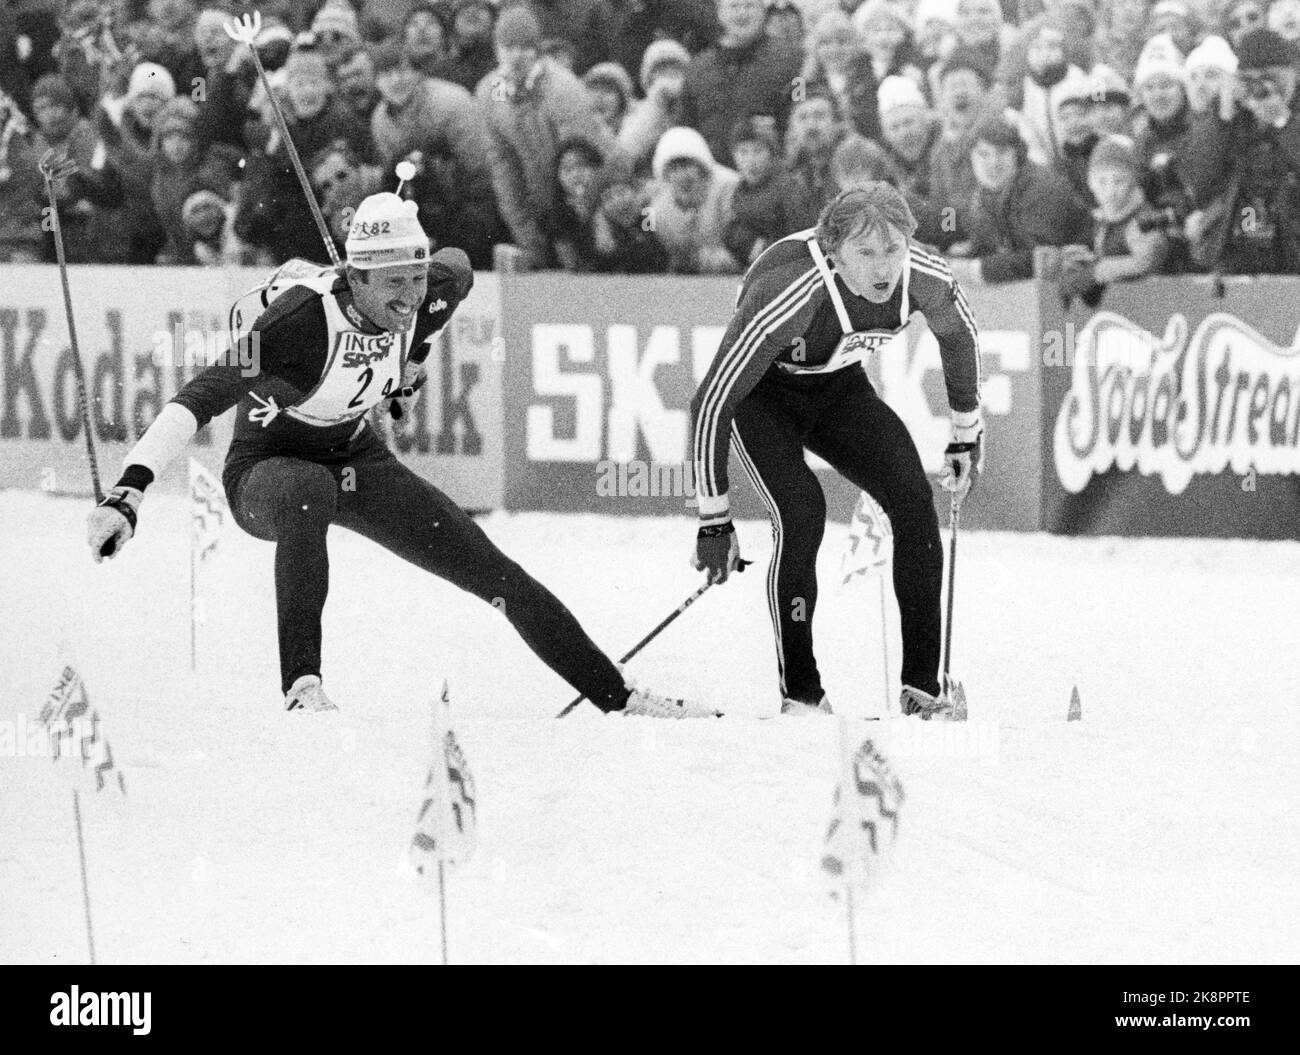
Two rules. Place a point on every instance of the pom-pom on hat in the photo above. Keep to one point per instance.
(386, 233)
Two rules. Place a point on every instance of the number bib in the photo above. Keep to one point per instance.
(362, 369)
(856, 345)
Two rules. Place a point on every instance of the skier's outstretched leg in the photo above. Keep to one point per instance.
(290, 501)
(404, 513)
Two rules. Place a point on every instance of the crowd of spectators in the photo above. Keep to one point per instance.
(1081, 141)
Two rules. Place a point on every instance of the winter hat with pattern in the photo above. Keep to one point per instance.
(896, 92)
(517, 27)
(1262, 48)
(385, 232)
(1212, 53)
(148, 78)
(661, 53)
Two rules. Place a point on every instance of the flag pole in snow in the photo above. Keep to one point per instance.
(442, 907)
(85, 882)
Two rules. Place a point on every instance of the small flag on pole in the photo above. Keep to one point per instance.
(871, 540)
(864, 823)
(75, 731)
(208, 510)
(445, 829)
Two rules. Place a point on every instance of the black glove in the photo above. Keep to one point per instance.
(717, 550)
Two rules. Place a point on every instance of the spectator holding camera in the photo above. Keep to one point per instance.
(663, 78)
(1246, 168)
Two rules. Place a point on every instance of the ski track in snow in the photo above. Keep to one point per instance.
(1159, 829)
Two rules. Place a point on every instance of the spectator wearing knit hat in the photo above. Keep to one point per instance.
(745, 74)
(758, 204)
(532, 105)
(586, 24)
(1076, 134)
(1210, 66)
(908, 132)
(126, 127)
(1246, 167)
(611, 93)
(663, 78)
(90, 199)
(692, 208)
(935, 24)
(638, 24)
(1112, 101)
(1018, 208)
(471, 56)
(1047, 70)
(962, 88)
(838, 63)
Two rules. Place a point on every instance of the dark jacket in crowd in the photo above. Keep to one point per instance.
(1036, 209)
(724, 85)
(638, 23)
(587, 24)
(759, 215)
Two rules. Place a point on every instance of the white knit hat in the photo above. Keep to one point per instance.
(895, 92)
(1212, 53)
(935, 11)
(1160, 57)
(386, 233)
(148, 78)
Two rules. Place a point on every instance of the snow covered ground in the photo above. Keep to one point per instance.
(1162, 828)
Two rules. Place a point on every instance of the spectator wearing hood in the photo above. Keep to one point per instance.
(1210, 66)
(663, 78)
(1018, 208)
(1245, 162)
(838, 63)
(90, 199)
(908, 132)
(167, 37)
(962, 89)
(588, 25)
(183, 164)
(691, 210)
(745, 74)
(471, 56)
(532, 105)
(1047, 73)
(416, 108)
(758, 204)
(611, 93)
